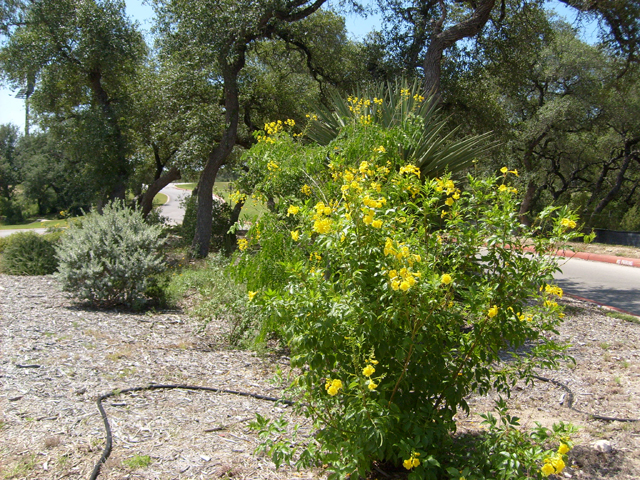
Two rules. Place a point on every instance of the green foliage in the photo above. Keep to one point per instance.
(4, 241)
(506, 452)
(396, 293)
(9, 173)
(51, 175)
(631, 220)
(426, 143)
(221, 239)
(217, 297)
(109, 258)
(27, 253)
(11, 211)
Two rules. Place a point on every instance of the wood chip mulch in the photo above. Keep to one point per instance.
(57, 357)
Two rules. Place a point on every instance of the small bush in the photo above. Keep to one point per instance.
(28, 254)
(110, 258)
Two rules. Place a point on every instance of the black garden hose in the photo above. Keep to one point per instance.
(109, 439)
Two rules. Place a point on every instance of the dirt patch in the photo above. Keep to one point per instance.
(58, 357)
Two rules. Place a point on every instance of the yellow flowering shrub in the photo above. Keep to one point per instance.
(395, 292)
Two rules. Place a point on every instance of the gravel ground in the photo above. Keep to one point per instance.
(58, 357)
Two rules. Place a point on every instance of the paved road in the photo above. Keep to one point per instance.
(614, 285)
(172, 209)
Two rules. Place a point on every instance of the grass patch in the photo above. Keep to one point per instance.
(160, 199)
(624, 316)
(22, 468)
(186, 186)
(138, 461)
(45, 224)
(214, 296)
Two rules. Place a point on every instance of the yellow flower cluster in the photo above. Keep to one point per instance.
(238, 197)
(504, 188)
(312, 116)
(367, 372)
(272, 166)
(306, 189)
(400, 251)
(320, 224)
(251, 295)
(505, 170)
(412, 462)
(446, 279)
(553, 290)
(242, 244)
(293, 209)
(403, 279)
(449, 186)
(315, 256)
(322, 209)
(492, 312)
(568, 223)
(357, 105)
(418, 98)
(554, 465)
(522, 317)
(333, 386)
(410, 169)
(371, 203)
(295, 235)
(273, 128)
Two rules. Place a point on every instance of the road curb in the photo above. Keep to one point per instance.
(598, 257)
(600, 304)
(595, 257)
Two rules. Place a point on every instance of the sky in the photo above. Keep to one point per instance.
(12, 109)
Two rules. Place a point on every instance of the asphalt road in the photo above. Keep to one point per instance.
(171, 209)
(606, 283)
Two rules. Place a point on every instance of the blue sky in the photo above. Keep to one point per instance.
(12, 109)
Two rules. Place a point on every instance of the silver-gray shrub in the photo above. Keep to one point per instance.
(109, 258)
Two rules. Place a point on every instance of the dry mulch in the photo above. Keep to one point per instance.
(58, 357)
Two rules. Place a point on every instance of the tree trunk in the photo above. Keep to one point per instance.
(118, 188)
(527, 202)
(529, 194)
(217, 158)
(146, 202)
(441, 40)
